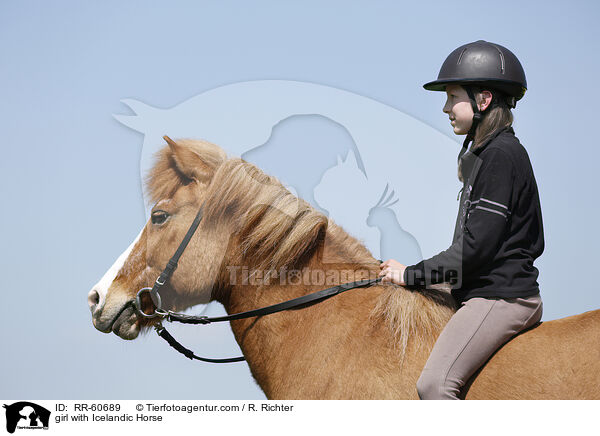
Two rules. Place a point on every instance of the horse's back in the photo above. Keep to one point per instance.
(557, 359)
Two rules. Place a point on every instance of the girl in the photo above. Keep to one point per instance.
(498, 231)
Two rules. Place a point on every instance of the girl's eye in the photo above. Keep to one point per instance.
(159, 217)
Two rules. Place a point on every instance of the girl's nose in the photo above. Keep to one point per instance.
(446, 108)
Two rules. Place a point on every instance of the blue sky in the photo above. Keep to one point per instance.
(70, 171)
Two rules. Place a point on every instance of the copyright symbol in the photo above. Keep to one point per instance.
(139, 407)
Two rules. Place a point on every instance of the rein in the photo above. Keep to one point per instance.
(171, 316)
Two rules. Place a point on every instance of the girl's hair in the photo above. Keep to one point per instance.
(498, 116)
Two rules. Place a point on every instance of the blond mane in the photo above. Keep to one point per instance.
(413, 315)
(276, 228)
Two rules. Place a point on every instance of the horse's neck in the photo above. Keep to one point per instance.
(338, 259)
(288, 352)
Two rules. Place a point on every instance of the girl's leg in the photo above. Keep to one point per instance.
(473, 334)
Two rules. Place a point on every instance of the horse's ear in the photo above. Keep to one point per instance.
(189, 160)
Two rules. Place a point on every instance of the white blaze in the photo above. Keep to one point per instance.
(104, 284)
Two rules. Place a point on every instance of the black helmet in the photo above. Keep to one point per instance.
(482, 63)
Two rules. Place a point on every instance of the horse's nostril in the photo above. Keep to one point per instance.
(93, 299)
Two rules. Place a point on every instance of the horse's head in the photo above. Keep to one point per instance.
(249, 219)
(178, 185)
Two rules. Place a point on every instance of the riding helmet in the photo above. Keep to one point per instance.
(483, 63)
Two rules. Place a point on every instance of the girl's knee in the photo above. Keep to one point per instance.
(434, 385)
(428, 386)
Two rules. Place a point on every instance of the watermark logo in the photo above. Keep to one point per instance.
(378, 172)
(24, 415)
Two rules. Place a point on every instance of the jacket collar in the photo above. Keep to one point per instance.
(497, 133)
(470, 161)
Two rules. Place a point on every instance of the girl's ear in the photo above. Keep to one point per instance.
(486, 99)
(191, 161)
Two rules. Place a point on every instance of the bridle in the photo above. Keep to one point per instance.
(170, 316)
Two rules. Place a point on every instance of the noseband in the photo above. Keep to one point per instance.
(171, 316)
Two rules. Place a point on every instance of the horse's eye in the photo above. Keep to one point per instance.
(159, 217)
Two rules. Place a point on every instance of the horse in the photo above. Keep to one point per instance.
(258, 244)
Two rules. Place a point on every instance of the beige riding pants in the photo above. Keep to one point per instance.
(478, 328)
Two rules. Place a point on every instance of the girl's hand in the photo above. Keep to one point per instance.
(392, 271)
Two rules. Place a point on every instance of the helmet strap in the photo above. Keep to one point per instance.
(477, 116)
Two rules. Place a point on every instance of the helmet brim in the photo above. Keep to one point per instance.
(514, 89)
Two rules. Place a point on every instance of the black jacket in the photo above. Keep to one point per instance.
(499, 231)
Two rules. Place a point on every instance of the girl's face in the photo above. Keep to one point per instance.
(458, 107)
